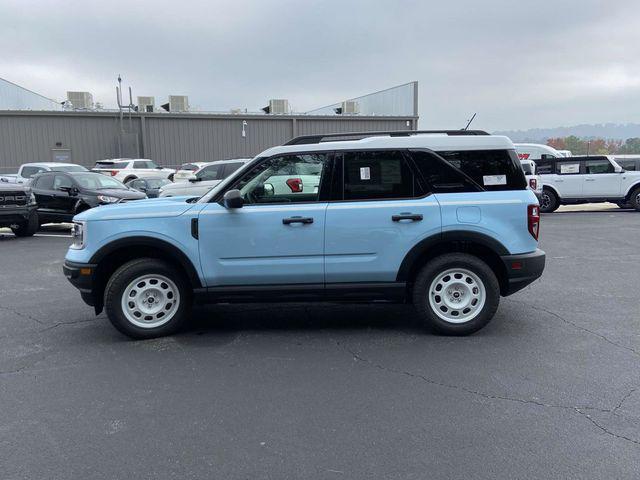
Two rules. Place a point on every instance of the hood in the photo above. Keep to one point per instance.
(118, 193)
(14, 187)
(149, 208)
(187, 185)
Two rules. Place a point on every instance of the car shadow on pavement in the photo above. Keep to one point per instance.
(216, 319)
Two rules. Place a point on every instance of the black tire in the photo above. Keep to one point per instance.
(120, 282)
(433, 270)
(549, 201)
(624, 205)
(128, 179)
(634, 199)
(29, 228)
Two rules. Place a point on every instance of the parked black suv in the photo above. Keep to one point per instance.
(18, 209)
(62, 195)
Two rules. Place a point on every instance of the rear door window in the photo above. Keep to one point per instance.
(491, 169)
(440, 176)
(379, 175)
(211, 172)
(599, 166)
(229, 168)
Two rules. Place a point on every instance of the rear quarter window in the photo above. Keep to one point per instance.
(493, 170)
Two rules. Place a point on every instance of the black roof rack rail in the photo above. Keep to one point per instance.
(306, 139)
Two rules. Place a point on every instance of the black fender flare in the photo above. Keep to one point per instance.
(631, 189)
(170, 250)
(553, 189)
(444, 238)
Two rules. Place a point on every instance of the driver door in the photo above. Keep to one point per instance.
(276, 238)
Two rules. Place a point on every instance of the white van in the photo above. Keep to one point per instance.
(536, 151)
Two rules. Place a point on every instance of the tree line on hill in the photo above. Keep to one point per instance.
(595, 146)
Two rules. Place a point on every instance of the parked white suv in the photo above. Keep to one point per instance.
(126, 169)
(592, 179)
(207, 177)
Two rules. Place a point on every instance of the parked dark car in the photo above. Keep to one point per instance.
(61, 195)
(150, 186)
(18, 209)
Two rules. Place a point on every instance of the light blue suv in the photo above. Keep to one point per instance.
(443, 220)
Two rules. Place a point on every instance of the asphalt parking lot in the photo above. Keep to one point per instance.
(550, 389)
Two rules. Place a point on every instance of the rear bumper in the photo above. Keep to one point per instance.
(522, 270)
(81, 276)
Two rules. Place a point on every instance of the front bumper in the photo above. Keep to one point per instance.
(81, 276)
(522, 270)
(12, 215)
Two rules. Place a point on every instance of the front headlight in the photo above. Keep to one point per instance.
(107, 199)
(78, 234)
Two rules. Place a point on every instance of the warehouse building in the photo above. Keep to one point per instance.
(175, 137)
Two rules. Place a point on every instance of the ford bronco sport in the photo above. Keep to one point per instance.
(440, 219)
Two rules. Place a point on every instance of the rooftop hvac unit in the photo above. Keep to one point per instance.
(277, 106)
(80, 100)
(146, 104)
(178, 103)
(349, 107)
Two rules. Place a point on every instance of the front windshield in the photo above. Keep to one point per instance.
(157, 182)
(69, 168)
(97, 181)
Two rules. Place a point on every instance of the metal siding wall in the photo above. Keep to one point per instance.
(31, 138)
(170, 140)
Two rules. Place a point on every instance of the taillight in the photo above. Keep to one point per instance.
(533, 183)
(295, 184)
(113, 173)
(533, 220)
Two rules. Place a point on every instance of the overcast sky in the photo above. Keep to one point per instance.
(519, 64)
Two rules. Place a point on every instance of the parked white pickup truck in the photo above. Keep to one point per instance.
(28, 170)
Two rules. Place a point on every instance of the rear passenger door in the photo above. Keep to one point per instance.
(601, 180)
(379, 211)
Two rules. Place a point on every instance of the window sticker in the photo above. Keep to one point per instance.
(569, 168)
(365, 173)
(494, 180)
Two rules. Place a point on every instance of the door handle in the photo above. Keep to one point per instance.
(590, 179)
(414, 217)
(303, 220)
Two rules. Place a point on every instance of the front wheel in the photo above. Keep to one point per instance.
(29, 228)
(549, 201)
(456, 294)
(147, 298)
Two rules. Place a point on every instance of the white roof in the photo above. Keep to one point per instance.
(436, 142)
(48, 164)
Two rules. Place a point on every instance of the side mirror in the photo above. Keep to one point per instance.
(268, 190)
(195, 179)
(233, 199)
(143, 189)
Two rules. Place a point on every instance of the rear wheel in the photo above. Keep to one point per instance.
(28, 228)
(147, 298)
(128, 179)
(549, 201)
(456, 294)
(634, 200)
(623, 205)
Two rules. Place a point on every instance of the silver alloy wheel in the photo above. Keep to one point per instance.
(150, 301)
(457, 295)
(638, 199)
